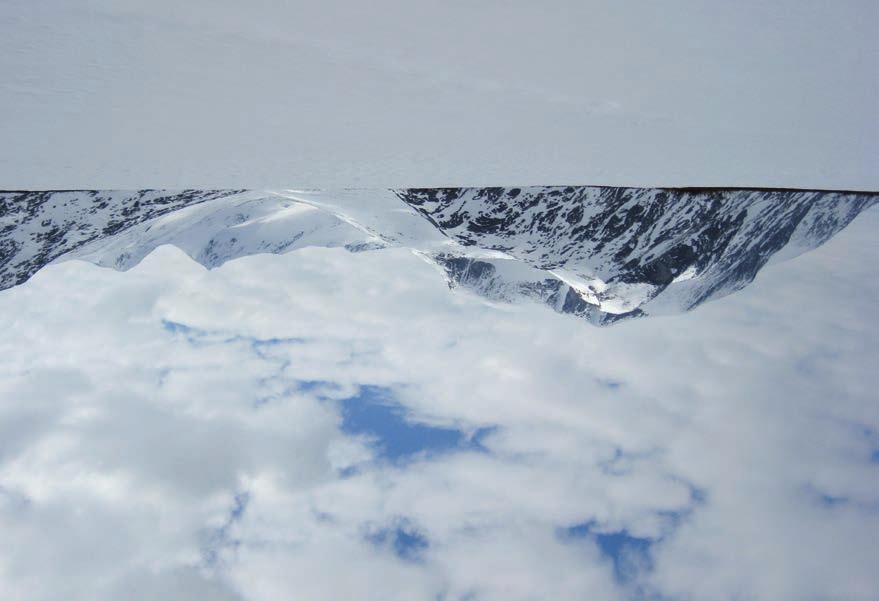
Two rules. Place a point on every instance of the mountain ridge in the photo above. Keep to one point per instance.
(603, 254)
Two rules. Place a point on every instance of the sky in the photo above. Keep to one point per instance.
(332, 425)
(131, 94)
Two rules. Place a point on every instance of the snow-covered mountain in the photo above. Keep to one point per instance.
(38, 227)
(600, 253)
(630, 251)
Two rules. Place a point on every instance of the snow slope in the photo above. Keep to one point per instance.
(602, 254)
(631, 250)
(125, 94)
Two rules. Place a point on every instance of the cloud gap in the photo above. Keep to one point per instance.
(374, 412)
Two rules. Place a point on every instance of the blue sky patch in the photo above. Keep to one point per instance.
(374, 412)
(629, 554)
(632, 556)
(404, 540)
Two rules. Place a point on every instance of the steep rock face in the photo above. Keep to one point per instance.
(38, 227)
(601, 254)
(630, 251)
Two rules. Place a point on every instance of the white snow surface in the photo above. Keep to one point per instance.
(131, 94)
(234, 226)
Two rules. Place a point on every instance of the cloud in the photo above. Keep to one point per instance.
(176, 432)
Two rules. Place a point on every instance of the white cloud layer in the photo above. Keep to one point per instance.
(156, 440)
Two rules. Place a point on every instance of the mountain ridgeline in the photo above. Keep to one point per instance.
(603, 254)
(624, 252)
